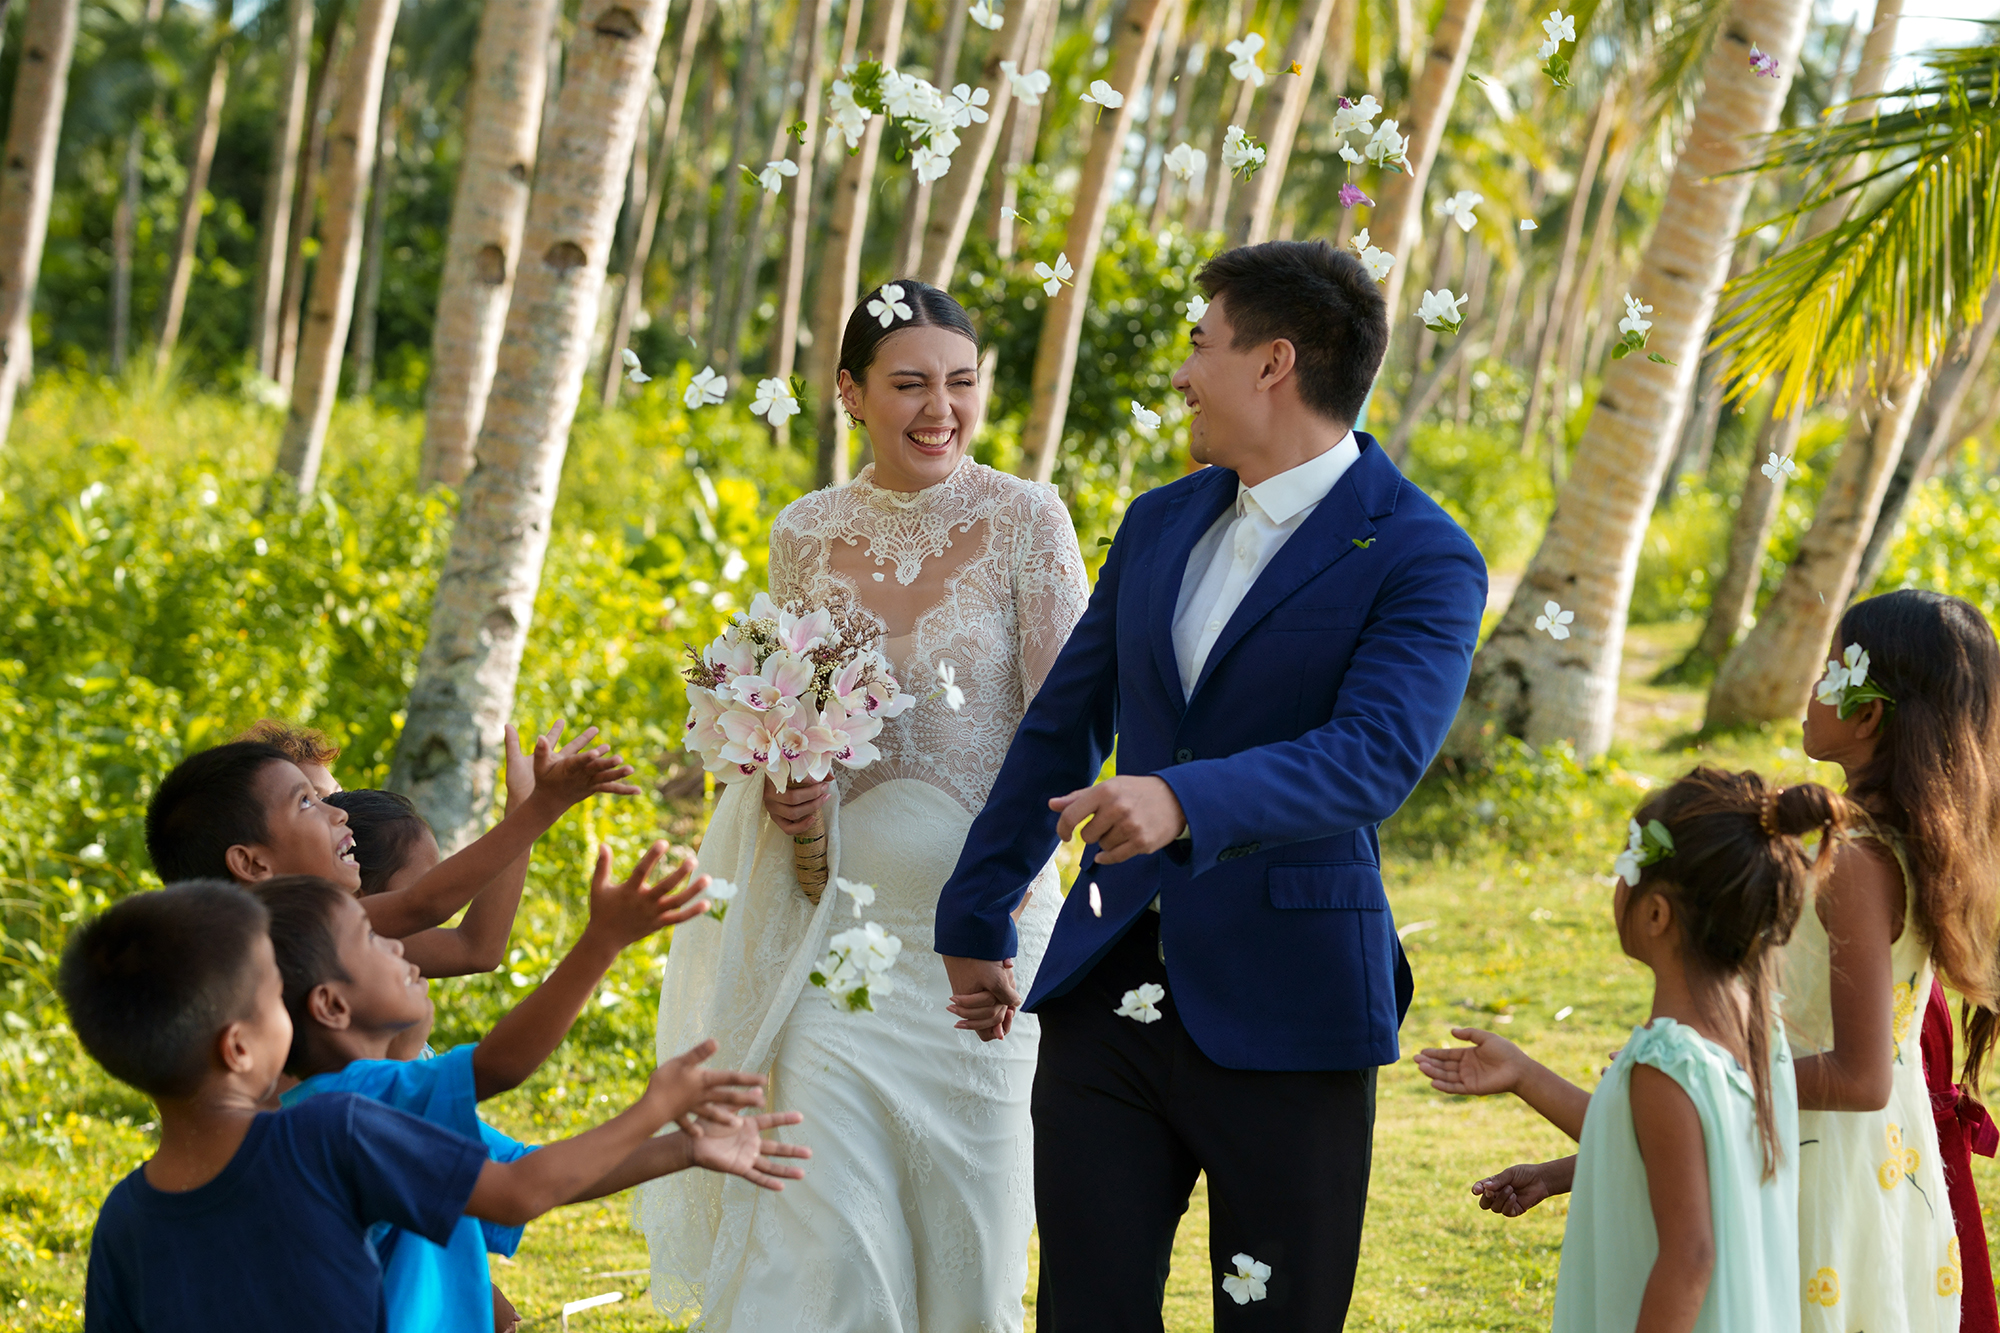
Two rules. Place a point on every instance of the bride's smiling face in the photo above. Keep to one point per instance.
(920, 402)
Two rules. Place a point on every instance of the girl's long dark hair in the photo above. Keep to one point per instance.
(1932, 779)
(1738, 879)
(385, 826)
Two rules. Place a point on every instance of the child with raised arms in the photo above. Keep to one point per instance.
(1686, 1170)
(258, 1219)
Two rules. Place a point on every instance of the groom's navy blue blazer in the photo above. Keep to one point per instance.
(1320, 706)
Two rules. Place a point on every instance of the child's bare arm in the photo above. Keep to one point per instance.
(737, 1149)
(1494, 1064)
(1519, 1188)
(1861, 905)
(515, 1193)
(571, 775)
(1670, 1143)
(620, 914)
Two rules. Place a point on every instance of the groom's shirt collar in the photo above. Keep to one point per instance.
(1293, 492)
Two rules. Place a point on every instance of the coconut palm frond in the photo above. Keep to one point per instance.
(1908, 263)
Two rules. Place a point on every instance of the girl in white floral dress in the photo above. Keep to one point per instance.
(1910, 710)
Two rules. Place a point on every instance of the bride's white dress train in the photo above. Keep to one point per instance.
(917, 1204)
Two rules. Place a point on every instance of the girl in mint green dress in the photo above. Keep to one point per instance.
(1685, 1215)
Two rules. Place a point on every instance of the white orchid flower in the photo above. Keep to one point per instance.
(1028, 88)
(849, 737)
(1246, 1284)
(889, 306)
(1054, 278)
(1186, 161)
(1240, 152)
(1197, 306)
(706, 389)
(1142, 1004)
(774, 402)
(863, 894)
(929, 164)
(1555, 620)
(1439, 310)
(1377, 262)
(1104, 96)
(967, 105)
(1777, 467)
(986, 13)
(1459, 208)
(1244, 68)
(751, 736)
(1635, 321)
(1388, 147)
(1559, 27)
(845, 116)
(802, 634)
(632, 371)
(772, 177)
(1144, 419)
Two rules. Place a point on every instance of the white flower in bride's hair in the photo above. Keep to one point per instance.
(1104, 97)
(774, 402)
(1142, 1004)
(1778, 467)
(1054, 278)
(719, 894)
(889, 305)
(1028, 88)
(772, 177)
(986, 13)
(1246, 1284)
(1197, 307)
(706, 389)
(1244, 67)
(1186, 161)
(1439, 311)
(1144, 419)
(1555, 620)
(954, 697)
(863, 894)
(632, 371)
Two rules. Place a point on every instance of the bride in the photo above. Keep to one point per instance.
(916, 1208)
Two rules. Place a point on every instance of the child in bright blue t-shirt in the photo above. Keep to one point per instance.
(352, 995)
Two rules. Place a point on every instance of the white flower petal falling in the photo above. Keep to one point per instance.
(1054, 278)
(1554, 620)
(1186, 161)
(1778, 466)
(706, 389)
(954, 697)
(1142, 1003)
(1197, 306)
(772, 177)
(775, 401)
(1143, 418)
(1244, 67)
(1029, 87)
(1104, 96)
(632, 370)
(986, 13)
(1459, 208)
(1246, 1284)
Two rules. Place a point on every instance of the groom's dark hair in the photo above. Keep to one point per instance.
(1319, 299)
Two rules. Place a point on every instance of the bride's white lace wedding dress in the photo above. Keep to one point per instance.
(918, 1201)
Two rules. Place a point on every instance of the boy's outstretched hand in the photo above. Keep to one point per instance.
(740, 1148)
(1519, 1188)
(1491, 1064)
(578, 770)
(631, 909)
(681, 1087)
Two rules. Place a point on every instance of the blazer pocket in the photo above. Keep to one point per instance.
(1354, 886)
(1312, 619)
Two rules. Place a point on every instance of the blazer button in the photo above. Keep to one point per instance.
(1183, 756)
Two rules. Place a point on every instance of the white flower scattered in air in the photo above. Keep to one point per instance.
(1054, 278)
(1142, 1004)
(890, 306)
(632, 370)
(1439, 311)
(1555, 620)
(1779, 466)
(1388, 148)
(954, 697)
(720, 892)
(1186, 161)
(706, 389)
(772, 177)
(1374, 259)
(1240, 152)
(1559, 27)
(1356, 117)
(929, 164)
(91, 852)
(1028, 88)
(1635, 320)
(1104, 97)
(774, 402)
(1197, 307)
(1244, 67)
(1459, 208)
(857, 962)
(1096, 900)
(1246, 1284)
(1143, 418)
(1349, 155)
(1529, 224)
(845, 116)
(863, 894)
(986, 13)
(967, 105)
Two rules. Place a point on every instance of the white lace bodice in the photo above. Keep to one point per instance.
(981, 570)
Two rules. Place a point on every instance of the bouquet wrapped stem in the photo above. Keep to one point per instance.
(809, 858)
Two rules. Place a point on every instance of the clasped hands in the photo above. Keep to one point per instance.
(1125, 816)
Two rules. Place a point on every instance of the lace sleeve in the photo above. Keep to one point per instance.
(792, 543)
(1050, 588)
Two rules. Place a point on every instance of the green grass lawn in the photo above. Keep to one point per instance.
(1511, 944)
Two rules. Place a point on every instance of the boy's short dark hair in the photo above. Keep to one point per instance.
(150, 982)
(207, 805)
(301, 745)
(301, 911)
(1319, 299)
(385, 825)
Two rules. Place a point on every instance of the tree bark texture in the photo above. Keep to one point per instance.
(798, 207)
(1525, 683)
(1735, 594)
(350, 164)
(305, 204)
(909, 251)
(27, 181)
(722, 241)
(368, 297)
(1770, 674)
(125, 217)
(1250, 218)
(804, 53)
(1572, 242)
(1135, 33)
(958, 194)
(503, 122)
(201, 157)
(274, 229)
(485, 600)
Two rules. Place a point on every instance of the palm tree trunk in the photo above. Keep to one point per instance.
(1397, 219)
(274, 228)
(952, 209)
(1024, 125)
(485, 600)
(1166, 60)
(722, 242)
(503, 122)
(1181, 74)
(840, 259)
(125, 218)
(305, 204)
(909, 251)
(1250, 219)
(1525, 683)
(1769, 675)
(350, 162)
(1735, 594)
(1576, 317)
(1136, 32)
(368, 299)
(27, 181)
(804, 53)
(798, 208)
(1220, 180)
(1572, 243)
(207, 126)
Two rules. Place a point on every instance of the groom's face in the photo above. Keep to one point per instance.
(1220, 385)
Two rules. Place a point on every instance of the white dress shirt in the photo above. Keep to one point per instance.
(1235, 550)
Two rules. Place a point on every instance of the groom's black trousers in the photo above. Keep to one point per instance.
(1127, 1114)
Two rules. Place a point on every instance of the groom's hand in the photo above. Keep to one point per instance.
(983, 997)
(1128, 817)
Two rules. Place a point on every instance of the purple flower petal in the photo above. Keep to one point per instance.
(1350, 195)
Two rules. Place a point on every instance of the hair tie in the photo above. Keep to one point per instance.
(1767, 811)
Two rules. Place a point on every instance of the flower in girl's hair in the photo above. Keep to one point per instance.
(1246, 1284)
(632, 371)
(863, 894)
(1845, 686)
(706, 389)
(1142, 1004)
(1644, 847)
(1555, 620)
(1054, 278)
(720, 892)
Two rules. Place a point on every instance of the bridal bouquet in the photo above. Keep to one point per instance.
(785, 693)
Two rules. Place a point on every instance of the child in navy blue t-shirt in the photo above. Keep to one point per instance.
(252, 1219)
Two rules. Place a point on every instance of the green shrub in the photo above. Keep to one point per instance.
(1520, 802)
(1499, 497)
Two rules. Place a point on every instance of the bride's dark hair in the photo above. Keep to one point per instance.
(930, 307)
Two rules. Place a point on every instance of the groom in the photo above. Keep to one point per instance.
(1276, 644)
